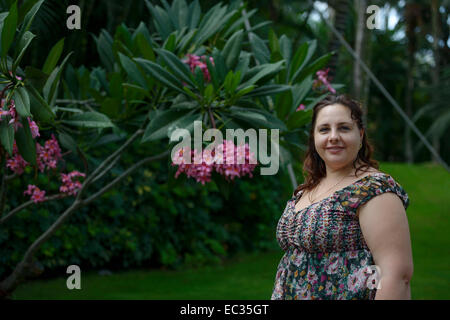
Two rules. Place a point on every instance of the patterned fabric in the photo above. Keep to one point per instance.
(326, 256)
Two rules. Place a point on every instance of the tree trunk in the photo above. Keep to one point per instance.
(341, 8)
(435, 70)
(409, 156)
(360, 6)
(411, 17)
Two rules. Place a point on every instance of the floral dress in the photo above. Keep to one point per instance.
(326, 256)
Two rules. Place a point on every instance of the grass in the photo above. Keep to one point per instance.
(251, 276)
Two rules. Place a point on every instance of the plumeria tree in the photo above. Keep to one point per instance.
(184, 67)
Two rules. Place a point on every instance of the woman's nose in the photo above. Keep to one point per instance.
(334, 134)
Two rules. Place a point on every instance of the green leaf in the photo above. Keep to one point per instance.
(25, 142)
(22, 102)
(232, 49)
(9, 30)
(191, 94)
(194, 14)
(300, 91)
(160, 74)
(66, 109)
(39, 107)
(283, 104)
(267, 71)
(7, 136)
(165, 122)
(53, 57)
(145, 47)
(213, 21)
(259, 48)
(213, 74)
(199, 79)
(67, 142)
(286, 48)
(90, 119)
(257, 117)
(313, 67)
(104, 48)
(220, 65)
(133, 71)
(236, 80)
(111, 107)
(302, 70)
(179, 68)
(209, 92)
(272, 121)
(245, 91)
(185, 105)
(186, 41)
(51, 86)
(298, 59)
(170, 42)
(268, 90)
(299, 119)
(23, 45)
(312, 102)
(274, 45)
(35, 77)
(228, 81)
(28, 20)
(134, 88)
(239, 22)
(160, 20)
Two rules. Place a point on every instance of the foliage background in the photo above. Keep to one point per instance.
(146, 221)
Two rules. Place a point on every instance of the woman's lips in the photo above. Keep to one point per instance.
(335, 150)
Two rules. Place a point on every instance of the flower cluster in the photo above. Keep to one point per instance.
(323, 79)
(194, 61)
(15, 119)
(69, 186)
(300, 107)
(16, 164)
(36, 194)
(47, 156)
(226, 159)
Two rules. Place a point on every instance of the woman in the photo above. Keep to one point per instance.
(344, 232)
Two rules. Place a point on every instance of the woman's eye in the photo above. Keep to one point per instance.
(323, 129)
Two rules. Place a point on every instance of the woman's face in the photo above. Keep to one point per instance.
(336, 136)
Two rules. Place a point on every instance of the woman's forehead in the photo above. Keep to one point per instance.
(334, 114)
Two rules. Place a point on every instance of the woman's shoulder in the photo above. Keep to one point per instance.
(375, 183)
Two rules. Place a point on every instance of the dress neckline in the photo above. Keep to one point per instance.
(331, 195)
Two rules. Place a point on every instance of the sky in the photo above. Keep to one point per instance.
(391, 13)
(393, 16)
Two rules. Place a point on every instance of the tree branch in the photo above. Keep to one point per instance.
(88, 181)
(125, 174)
(27, 204)
(101, 174)
(18, 275)
(67, 101)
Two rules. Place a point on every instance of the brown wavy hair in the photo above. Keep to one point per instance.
(313, 165)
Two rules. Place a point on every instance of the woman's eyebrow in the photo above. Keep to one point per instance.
(326, 124)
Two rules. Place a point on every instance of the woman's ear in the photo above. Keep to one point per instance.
(361, 133)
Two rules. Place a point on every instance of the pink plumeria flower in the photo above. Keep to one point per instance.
(300, 107)
(34, 128)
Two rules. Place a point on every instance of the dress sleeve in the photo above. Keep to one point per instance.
(374, 186)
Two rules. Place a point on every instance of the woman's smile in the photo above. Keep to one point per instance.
(335, 150)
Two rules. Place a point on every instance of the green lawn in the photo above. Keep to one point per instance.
(251, 276)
